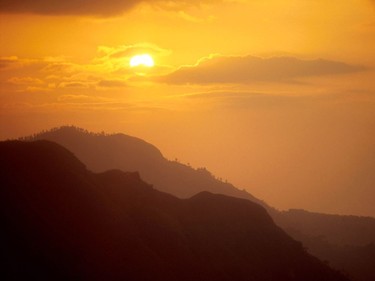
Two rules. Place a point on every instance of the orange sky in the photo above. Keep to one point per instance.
(276, 96)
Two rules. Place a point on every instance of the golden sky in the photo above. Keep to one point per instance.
(276, 96)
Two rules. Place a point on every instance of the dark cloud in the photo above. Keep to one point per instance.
(255, 69)
(84, 7)
(67, 7)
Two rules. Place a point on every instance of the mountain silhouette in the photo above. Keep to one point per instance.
(63, 222)
(336, 229)
(346, 242)
(101, 152)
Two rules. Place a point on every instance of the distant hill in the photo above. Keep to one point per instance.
(335, 229)
(357, 261)
(101, 152)
(346, 242)
(63, 222)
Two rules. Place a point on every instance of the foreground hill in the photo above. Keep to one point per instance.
(326, 236)
(62, 222)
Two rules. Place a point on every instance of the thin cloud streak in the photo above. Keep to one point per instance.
(249, 69)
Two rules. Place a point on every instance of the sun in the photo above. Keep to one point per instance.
(142, 60)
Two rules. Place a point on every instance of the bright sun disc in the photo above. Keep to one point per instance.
(141, 60)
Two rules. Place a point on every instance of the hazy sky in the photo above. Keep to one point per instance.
(276, 96)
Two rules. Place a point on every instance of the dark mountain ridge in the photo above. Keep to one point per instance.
(101, 152)
(327, 236)
(63, 222)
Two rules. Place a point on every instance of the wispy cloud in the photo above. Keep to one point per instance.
(269, 100)
(8, 61)
(108, 69)
(107, 52)
(112, 84)
(25, 81)
(247, 69)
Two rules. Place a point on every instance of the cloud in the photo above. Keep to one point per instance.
(238, 99)
(126, 51)
(8, 61)
(74, 85)
(67, 7)
(25, 81)
(249, 69)
(112, 84)
(87, 7)
(83, 99)
(269, 100)
(90, 102)
(61, 67)
(109, 70)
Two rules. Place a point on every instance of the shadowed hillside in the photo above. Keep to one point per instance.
(101, 152)
(62, 222)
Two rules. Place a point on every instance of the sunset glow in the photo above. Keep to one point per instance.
(141, 60)
(185, 140)
(277, 97)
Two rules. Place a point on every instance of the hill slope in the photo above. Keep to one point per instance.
(101, 152)
(317, 231)
(62, 222)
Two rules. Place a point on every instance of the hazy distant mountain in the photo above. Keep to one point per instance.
(346, 242)
(357, 261)
(335, 229)
(62, 222)
(101, 152)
